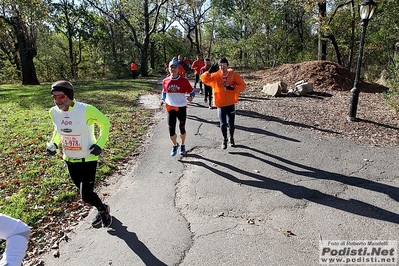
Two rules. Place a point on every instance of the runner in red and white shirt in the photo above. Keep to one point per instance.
(176, 91)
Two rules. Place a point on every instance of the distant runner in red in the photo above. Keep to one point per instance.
(196, 66)
(133, 68)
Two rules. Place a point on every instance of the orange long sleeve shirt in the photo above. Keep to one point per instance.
(218, 82)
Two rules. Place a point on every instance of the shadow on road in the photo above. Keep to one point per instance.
(353, 206)
(281, 121)
(131, 239)
(247, 129)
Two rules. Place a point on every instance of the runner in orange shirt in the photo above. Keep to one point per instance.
(226, 85)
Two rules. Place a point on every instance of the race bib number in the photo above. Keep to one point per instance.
(72, 142)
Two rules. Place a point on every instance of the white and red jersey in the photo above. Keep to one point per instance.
(176, 90)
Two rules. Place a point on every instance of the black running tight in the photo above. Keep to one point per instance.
(83, 175)
(173, 116)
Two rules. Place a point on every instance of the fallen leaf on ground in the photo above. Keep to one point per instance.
(250, 221)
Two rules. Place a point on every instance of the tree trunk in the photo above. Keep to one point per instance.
(322, 50)
(197, 40)
(144, 56)
(152, 55)
(27, 51)
(352, 43)
(144, 61)
(336, 48)
(145, 45)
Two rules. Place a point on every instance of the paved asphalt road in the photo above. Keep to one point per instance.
(267, 201)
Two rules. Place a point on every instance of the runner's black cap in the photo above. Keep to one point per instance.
(64, 86)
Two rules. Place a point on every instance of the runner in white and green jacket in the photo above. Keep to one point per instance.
(74, 129)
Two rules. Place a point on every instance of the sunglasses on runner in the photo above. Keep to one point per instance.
(59, 97)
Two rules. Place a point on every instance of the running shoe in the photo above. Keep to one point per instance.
(182, 149)
(173, 152)
(232, 143)
(224, 146)
(106, 216)
(96, 220)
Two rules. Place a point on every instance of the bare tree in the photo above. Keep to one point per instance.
(10, 48)
(25, 42)
(191, 14)
(140, 35)
(326, 34)
(67, 17)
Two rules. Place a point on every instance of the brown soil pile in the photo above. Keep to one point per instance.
(324, 75)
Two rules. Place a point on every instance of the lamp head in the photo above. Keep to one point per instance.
(366, 9)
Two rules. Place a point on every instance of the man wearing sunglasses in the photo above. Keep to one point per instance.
(226, 85)
(74, 129)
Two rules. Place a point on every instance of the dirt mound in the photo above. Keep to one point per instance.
(324, 75)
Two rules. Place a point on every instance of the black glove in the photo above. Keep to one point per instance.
(51, 148)
(96, 150)
(214, 68)
(229, 87)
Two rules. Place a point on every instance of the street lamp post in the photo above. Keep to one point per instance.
(366, 11)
